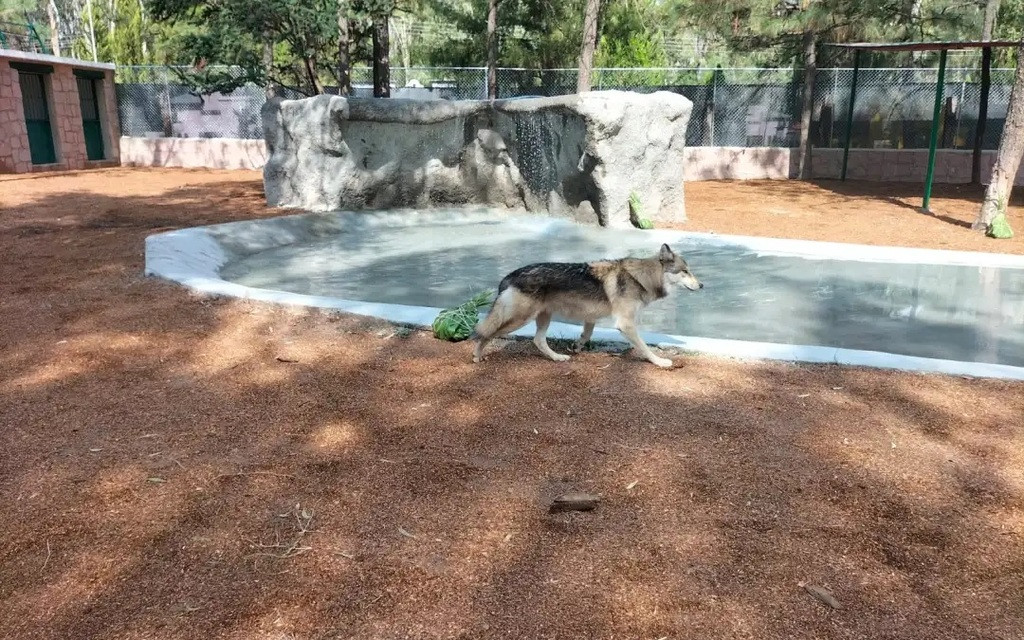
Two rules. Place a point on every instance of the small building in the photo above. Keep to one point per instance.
(56, 113)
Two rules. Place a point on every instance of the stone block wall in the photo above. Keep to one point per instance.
(903, 165)
(65, 115)
(14, 153)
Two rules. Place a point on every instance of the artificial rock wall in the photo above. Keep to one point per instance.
(577, 156)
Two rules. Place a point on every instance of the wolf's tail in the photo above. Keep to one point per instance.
(496, 318)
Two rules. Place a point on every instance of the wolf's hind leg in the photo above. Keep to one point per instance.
(541, 338)
(588, 330)
(504, 318)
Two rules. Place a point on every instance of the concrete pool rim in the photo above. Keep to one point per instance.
(193, 257)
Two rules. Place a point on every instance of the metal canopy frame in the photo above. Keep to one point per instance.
(943, 48)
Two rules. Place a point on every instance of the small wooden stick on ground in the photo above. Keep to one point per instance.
(574, 502)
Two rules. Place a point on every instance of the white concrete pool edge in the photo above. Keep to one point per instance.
(193, 258)
(258, 237)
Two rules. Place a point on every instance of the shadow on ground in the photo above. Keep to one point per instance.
(179, 467)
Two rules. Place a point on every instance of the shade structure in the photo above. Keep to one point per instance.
(943, 48)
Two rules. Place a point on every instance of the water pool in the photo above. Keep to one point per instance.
(795, 297)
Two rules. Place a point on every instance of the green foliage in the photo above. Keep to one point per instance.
(1009, 26)
(123, 42)
(457, 323)
(770, 32)
(304, 34)
(1000, 228)
(636, 212)
(632, 35)
(533, 34)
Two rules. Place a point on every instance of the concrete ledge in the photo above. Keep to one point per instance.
(45, 58)
(740, 163)
(193, 153)
(952, 166)
(194, 257)
(700, 163)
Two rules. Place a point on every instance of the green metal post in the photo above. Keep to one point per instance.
(933, 144)
(849, 112)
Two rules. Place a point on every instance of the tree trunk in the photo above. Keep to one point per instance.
(492, 49)
(589, 45)
(989, 24)
(807, 107)
(979, 131)
(381, 63)
(92, 30)
(344, 55)
(51, 13)
(268, 64)
(316, 87)
(143, 31)
(1011, 148)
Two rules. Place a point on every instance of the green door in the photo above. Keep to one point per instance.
(37, 118)
(87, 96)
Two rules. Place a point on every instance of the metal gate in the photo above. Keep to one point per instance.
(91, 127)
(37, 117)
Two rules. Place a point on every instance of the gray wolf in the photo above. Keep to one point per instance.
(584, 292)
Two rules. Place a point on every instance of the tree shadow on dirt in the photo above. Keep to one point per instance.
(164, 450)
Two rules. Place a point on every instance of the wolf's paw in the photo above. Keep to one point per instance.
(577, 346)
(478, 359)
(664, 363)
(559, 357)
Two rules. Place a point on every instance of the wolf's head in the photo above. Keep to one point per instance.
(677, 272)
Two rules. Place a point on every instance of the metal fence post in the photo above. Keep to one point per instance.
(714, 103)
(849, 113)
(835, 103)
(933, 142)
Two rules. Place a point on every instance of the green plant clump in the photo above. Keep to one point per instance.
(1000, 228)
(457, 323)
(636, 213)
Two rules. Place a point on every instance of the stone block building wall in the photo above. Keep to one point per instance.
(14, 153)
(65, 113)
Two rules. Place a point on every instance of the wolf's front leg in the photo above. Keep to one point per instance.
(628, 329)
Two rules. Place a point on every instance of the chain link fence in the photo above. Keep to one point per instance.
(731, 107)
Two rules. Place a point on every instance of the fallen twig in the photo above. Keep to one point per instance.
(821, 594)
(574, 502)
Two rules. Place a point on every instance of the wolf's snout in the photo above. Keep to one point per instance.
(701, 286)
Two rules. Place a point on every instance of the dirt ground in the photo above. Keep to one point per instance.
(175, 467)
(857, 212)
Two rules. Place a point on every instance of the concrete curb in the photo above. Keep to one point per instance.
(193, 257)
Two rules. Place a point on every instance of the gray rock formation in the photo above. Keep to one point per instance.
(577, 156)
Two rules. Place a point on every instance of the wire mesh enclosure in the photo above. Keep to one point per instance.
(731, 106)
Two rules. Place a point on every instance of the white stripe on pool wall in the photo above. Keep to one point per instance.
(193, 258)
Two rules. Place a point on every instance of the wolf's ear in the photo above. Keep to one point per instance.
(666, 254)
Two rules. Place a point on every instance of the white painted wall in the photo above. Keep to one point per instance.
(702, 163)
